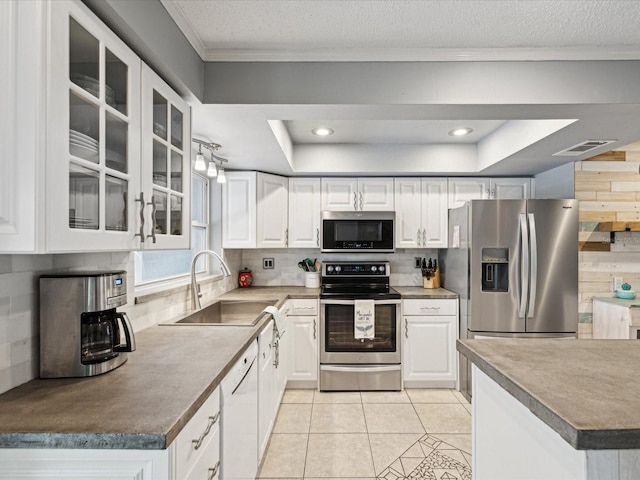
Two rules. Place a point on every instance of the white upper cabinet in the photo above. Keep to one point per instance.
(254, 210)
(304, 212)
(93, 134)
(340, 194)
(421, 212)
(435, 219)
(375, 194)
(239, 210)
(350, 194)
(89, 185)
(22, 28)
(166, 165)
(272, 219)
(408, 201)
(513, 188)
(461, 190)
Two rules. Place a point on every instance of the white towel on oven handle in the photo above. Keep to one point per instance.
(364, 319)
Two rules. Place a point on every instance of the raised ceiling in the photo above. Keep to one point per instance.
(265, 123)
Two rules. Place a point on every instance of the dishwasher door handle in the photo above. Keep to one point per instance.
(244, 376)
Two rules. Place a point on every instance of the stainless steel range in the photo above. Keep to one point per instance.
(359, 328)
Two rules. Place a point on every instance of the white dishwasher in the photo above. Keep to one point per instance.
(240, 418)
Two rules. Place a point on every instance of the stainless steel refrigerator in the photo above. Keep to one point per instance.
(514, 264)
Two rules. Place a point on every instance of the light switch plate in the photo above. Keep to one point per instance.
(268, 263)
(417, 262)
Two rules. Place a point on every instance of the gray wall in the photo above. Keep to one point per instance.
(151, 32)
(449, 84)
(558, 182)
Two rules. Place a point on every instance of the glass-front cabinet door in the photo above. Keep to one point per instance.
(93, 140)
(166, 164)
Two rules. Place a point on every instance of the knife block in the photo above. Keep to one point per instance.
(433, 282)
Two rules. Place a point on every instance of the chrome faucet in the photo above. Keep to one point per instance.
(195, 288)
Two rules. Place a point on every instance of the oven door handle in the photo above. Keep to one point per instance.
(352, 302)
(361, 369)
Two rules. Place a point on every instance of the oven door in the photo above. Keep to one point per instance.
(338, 344)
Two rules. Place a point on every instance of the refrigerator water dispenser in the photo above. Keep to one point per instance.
(495, 269)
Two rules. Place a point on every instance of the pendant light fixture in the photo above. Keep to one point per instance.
(199, 164)
(214, 167)
(222, 177)
(212, 170)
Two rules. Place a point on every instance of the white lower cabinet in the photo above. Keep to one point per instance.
(194, 454)
(429, 333)
(197, 447)
(303, 329)
(267, 387)
(272, 379)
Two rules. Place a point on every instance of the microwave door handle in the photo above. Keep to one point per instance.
(128, 333)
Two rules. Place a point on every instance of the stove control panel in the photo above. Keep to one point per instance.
(350, 269)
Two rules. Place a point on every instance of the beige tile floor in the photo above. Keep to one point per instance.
(416, 434)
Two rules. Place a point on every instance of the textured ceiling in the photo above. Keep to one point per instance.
(510, 137)
(370, 29)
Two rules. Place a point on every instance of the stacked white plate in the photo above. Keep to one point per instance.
(83, 146)
(159, 130)
(92, 86)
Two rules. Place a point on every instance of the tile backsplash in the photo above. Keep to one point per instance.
(287, 272)
(19, 305)
(19, 316)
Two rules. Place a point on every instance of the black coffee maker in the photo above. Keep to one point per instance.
(81, 333)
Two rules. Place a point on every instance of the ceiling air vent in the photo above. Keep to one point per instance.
(583, 147)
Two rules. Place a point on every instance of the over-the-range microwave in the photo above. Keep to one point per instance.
(370, 232)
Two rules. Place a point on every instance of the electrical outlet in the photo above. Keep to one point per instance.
(617, 283)
(417, 262)
(268, 263)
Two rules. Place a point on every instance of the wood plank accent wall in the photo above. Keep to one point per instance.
(608, 187)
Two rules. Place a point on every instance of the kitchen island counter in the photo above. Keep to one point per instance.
(569, 406)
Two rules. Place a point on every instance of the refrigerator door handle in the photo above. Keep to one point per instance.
(534, 264)
(524, 265)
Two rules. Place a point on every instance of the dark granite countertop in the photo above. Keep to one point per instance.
(585, 390)
(419, 292)
(144, 403)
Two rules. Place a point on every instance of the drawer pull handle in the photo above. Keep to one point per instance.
(304, 308)
(212, 421)
(429, 308)
(213, 471)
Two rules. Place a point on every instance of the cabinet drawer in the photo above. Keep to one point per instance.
(430, 307)
(208, 465)
(203, 427)
(303, 306)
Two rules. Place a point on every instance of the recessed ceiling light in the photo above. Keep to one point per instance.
(322, 131)
(458, 132)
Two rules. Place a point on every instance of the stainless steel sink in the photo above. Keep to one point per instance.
(244, 313)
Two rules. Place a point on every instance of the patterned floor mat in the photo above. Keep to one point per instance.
(430, 459)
